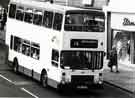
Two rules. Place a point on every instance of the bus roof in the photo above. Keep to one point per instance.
(47, 5)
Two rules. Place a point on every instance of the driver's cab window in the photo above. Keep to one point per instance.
(55, 57)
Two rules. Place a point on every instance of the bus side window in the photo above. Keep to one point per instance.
(28, 15)
(55, 57)
(57, 21)
(11, 42)
(12, 10)
(26, 47)
(37, 20)
(48, 18)
(20, 13)
(35, 50)
(17, 44)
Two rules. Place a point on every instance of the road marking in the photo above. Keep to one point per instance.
(22, 83)
(21, 88)
(29, 93)
(15, 82)
(6, 79)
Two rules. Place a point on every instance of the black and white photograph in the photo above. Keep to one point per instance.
(67, 49)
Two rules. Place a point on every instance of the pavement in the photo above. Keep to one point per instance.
(125, 79)
(2, 36)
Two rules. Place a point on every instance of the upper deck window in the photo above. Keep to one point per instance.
(87, 21)
(28, 15)
(12, 10)
(37, 17)
(20, 13)
(48, 19)
(57, 21)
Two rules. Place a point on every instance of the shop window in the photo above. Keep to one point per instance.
(12, 10)
(55, 58)
(48, 18)
(122, 42)
(35, 50)
(20, 13)
(17, 44)
(26, 47)
(57, 21)
(37, 17)
(28, 15)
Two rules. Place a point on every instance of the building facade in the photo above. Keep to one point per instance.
(80, 3)
(121, 30)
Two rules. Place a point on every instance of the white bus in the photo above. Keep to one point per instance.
(58, 45)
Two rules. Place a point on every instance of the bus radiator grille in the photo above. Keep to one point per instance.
(96, 61)
(77, 79)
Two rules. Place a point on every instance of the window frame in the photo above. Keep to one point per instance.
(50, 21)
(16, 43)
(35, 14)
(20, 13)
(35, 46)
(57, 26)
(26, 45)
(10, 14)
(11, 42)
(26, 13)
(55, 57)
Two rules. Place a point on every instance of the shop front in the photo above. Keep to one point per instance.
(121, 34)
(121, 30)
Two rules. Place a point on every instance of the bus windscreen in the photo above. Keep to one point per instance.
(81, 59)
(84, 21)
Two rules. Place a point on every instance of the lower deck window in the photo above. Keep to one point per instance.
(25, 47)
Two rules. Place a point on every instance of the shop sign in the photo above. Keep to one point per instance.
(123, 21)
(128, 22)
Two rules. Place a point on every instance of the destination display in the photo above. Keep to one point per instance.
(84, 43)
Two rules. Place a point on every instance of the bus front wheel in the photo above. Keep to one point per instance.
(44, 79)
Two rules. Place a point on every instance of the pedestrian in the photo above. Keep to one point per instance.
(4, 19)
(113, 60)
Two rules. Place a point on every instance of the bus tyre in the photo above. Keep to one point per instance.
(44, 79)
(15, 66)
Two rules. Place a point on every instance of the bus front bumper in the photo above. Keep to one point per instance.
(82, 84)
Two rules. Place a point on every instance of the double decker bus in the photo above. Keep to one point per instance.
(58, 45)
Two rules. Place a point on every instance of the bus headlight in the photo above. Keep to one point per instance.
(100, 78)
(96, 79)
(65, 78)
